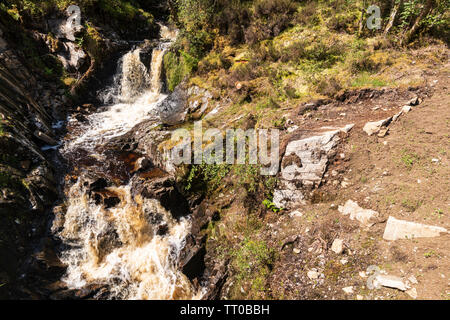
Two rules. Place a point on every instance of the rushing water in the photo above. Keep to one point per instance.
(120, 247)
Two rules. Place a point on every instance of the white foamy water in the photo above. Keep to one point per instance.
(120, 248)
(140, 93)
(131, 249)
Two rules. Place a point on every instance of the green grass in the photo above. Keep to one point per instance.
(252, 261)
(367, 80)
(409, 158)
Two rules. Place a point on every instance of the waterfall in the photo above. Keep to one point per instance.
(136, 94)
(157, 62)
(122, 247)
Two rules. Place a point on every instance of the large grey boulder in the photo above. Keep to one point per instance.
(173, 110)
(304, 164)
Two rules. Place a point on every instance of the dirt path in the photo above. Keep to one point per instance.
(405, 174)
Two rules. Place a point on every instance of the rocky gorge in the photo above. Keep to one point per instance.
(93, 205)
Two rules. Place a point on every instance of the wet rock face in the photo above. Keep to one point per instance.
(28, 186)
(163, 188)
(173, 110)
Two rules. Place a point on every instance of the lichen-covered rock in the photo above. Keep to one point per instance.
(304, 164)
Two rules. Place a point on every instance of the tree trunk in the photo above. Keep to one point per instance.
(361, 20)
(395, 8)
(426, 9)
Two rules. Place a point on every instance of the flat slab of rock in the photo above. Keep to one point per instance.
(366, 217)
(401, 229)
(374, 127)
(390, 282)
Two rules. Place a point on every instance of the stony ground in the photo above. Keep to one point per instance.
(403, 173)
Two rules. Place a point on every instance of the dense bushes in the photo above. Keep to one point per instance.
(239, 20)
(269, 19)
(125, 17)
(177, 67)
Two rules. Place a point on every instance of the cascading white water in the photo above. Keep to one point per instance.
(138, 94)
(121, 247)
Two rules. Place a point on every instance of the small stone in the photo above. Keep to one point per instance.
(383, 132)
(313, 275)
(413, 280)
(364, 216)
(345, 184)
(406, 109)
(434, 160)
(359, 297)
(337, 246)
(362, 274)
(412, 293)
(414, 101)
(296, 250)
(296, 214)
(374, 127)
(348, 290)
(344, 261)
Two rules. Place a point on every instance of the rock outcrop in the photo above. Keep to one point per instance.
(304, 164)
(28, 186)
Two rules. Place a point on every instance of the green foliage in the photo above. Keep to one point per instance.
(367, 80)
(253, 262)
(115, 13)
(206, 177)
(411, 10)
(248, 176)
(269, 19)
(178, 67)
(279, 123)
(437, 20)
(268, 203)
(408, 158)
